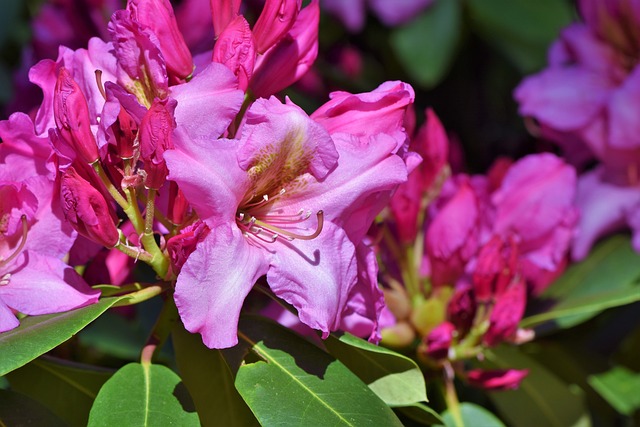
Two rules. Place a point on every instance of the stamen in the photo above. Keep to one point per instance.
(264, 200)
(23, 241)
(285, 233)
(4, 280)
(99, 83)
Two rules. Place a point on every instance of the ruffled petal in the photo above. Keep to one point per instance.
(315, 276)
(214, 282)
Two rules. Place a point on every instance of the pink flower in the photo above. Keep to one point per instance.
(279, 202)
(587, 100)
(509, 379)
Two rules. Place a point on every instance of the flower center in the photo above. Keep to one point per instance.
(258, 219)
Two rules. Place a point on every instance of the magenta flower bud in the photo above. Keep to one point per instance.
(87, 210)
(291, 57)
(158, 16)
(506, 314)
(223, 12)
(125, 130)
(274, 22)
(155, 139)
(236, 49)
(508, 379)
(495, 268)
(71, 115)
(462, 308)
(439, 340)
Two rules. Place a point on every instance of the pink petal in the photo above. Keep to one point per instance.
(44, 285)
(315, 276)
(208, 103)
(396, 12)
(624, 110)
(8, 320)
(564, 98)
(214, 282)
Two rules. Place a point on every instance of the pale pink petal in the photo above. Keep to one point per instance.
(214, 282)
(603, 209)
(624, 110)
(27, 153)
(315, 276)
(208, 174)
(564, 98)
(8, 320)
(42, 285)
(208, 103)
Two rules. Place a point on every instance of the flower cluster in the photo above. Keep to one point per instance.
(184, 160)
(460, 277)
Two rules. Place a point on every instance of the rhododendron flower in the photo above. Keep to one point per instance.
(279, 202)
(587, 100)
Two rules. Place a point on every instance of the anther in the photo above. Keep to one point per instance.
(99, 83)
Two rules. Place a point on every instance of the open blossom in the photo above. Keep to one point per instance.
(33, 238)
(287, 201)
(587, 101)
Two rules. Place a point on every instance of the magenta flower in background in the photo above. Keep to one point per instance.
(587, 101)
(390, 12)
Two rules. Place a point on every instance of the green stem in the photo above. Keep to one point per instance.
(143, 294)
(149, 211)
(451, 396)
(97, 167)
(161, 330)
(136, 253)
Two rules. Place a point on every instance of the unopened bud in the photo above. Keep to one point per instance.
(71, 115)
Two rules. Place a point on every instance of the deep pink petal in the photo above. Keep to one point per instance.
(214, 282)
(26, 153)
(315, 276)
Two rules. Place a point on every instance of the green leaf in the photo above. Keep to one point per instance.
(421, 413)
(143, 395)
(607, 278)
(19, 410)
(521, 29)
(472, 416)
(296, 383)
(426, 46)
(395, 378)
(620, 387)
(38, 334)
(210, 382)
(556, 403)
(67, 389)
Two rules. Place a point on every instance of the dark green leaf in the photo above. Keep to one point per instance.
(296, 383)
(607, 278)
(19, 410)
(426, 46)
(556, 403)
(143, 395)
(521, 29)
(472, 416)
(395, 378)
(67, 389)
(38, 334)
(210, 382)
(620, 387)
(421, 413)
